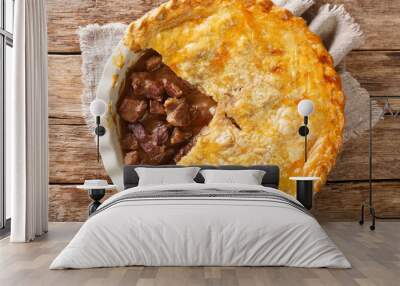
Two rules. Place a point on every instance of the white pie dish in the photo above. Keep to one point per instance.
(113, 76)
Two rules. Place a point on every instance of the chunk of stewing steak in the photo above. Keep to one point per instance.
(138, 79)
(164, 157)
(132, 109)
(178, 136)
(156, 107)
(160, 135)
(183, 151)
(172, 103)
(151, 148)
(153, 63)
(132, 158)
(177, 112)
(138, 130)
(172, 89)
(154, 89)
(130, 142)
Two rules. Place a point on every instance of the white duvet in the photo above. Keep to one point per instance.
(200, 231)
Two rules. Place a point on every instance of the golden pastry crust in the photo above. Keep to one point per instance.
(257, 61)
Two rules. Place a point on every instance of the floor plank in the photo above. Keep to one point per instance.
(375, 257)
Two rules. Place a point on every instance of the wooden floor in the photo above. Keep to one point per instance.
(375, 257)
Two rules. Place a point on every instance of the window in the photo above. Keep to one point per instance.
(6, 65)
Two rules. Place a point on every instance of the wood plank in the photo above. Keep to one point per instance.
(377, 18)
(377, 72)
(67, 203)
(374, 257)
(65, 89)
(72, 148)
(342, 201)
(336, 201)
(72, 155)
(65, 19)
(352, 163)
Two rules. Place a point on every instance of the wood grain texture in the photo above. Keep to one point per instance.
(72, 155)
(65, 89)
(377, 18)
(335, 202)
(342, 201)
(352, 163)
(378, 72)
(67, 203)
(70, 134)
(72, 147)
(375, 259)
(64, 20)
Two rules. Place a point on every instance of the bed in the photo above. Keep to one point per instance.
(198, 224)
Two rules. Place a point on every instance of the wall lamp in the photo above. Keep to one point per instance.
(98, 109)
(305, 108)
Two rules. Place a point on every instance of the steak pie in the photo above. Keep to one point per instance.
(218, 82)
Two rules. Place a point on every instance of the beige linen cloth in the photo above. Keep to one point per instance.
(333, 24)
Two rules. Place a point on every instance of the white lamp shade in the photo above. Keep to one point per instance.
(98, 107)
(305, 107)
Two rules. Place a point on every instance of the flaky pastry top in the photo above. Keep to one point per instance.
(257, 61)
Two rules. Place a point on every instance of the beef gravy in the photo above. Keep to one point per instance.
(160, 114)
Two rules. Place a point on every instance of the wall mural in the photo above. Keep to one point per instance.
(218, 82)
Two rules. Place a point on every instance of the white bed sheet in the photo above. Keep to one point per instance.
(200, 231)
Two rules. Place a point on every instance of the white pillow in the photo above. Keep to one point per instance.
(165, 176)
(248, 177)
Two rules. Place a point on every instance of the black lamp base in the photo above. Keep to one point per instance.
(96, 195)
(100, 130)
(303, 131)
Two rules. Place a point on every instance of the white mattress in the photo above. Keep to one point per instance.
(192, 231)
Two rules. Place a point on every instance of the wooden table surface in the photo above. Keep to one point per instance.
(72, 149)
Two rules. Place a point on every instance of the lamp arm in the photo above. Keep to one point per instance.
(305, 148)
(99, 131)
(303, 131)
(305, 138)
(98, 138)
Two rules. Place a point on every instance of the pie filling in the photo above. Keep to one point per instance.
(160, 114)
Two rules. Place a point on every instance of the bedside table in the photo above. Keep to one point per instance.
(304, 190)
(96, 190)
